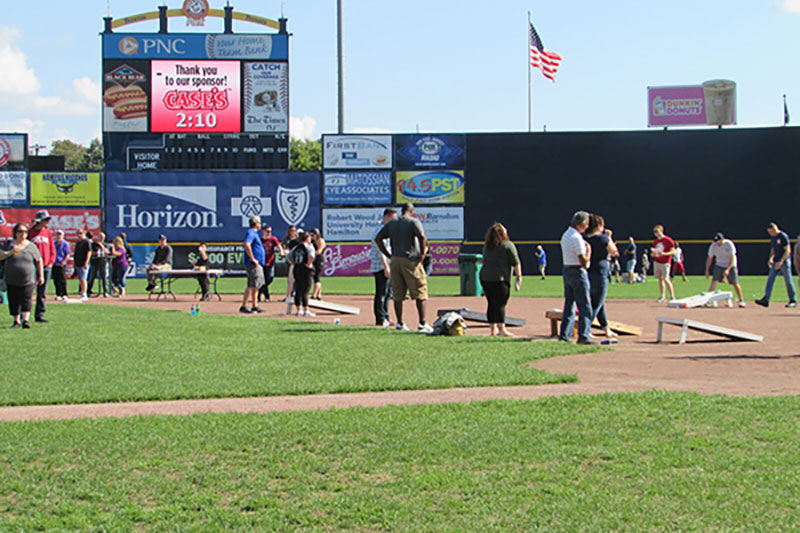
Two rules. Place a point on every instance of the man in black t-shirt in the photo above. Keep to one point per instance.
(780, 262)
(98, 268)
(81, 257)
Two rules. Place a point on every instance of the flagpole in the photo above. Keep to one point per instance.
(528, 61)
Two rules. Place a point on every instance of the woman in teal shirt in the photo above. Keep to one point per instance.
(499, 257)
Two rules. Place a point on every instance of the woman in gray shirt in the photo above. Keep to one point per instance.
(23, 270)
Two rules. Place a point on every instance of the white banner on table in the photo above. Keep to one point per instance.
(358, 224)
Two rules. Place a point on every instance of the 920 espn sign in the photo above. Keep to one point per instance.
(196, 97)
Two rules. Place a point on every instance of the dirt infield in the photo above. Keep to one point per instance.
(706, 364)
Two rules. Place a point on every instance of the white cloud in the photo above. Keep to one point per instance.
(60, 106)
(87, 90)
(17, 77)
(302, 128)
(23, 125)
(792, 6)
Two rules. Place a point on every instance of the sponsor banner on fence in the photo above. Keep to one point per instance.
(431, 187)
(65, 188)
(354, 259)
(227, 257)
(208, 206)
(195, 46)
(356, 151)
(12, 188)
(357, 188)
(358, 224)
(13, 151)
(420, 152)
(70, 220)
(266, 97)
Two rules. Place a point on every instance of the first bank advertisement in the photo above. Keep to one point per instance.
(206, 206)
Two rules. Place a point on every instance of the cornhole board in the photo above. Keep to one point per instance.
(686, 325)
(704, 298)
(336, 308)
(475, 316)
(555, 315)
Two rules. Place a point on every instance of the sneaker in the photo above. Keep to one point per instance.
(16, 325)
(309, 313)
(42, 320)
(246, 310)
(84, 298)
(661, 300)
(590, 342)
(401, 327)
(385, 324)
(742, 303)
(301, 313)
(791, 304)
(763, 302)
(150, 287)
(26, 324)
(565, 339)
(425, 328)
(257, 309)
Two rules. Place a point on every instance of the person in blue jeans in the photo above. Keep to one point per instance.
(630, 260)
(576, 255)
(599, 239)
(780, 262)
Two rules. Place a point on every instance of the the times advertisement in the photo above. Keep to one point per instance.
(266, 97)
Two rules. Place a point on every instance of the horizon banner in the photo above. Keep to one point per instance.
(209, 206)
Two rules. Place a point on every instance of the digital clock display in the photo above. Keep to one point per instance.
(196, 97)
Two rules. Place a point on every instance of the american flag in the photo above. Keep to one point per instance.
(545, 61)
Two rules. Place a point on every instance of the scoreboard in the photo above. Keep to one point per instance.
(195, 101)
(182, 151)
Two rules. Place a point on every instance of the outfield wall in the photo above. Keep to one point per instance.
(694, 182)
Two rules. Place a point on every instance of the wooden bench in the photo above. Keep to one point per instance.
(556, 315)
(686, 325)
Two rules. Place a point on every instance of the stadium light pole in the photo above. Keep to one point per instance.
(340, 47)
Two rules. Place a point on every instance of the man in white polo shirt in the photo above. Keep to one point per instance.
(723, 253)
(576, 255)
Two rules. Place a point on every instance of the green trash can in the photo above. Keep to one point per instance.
(469, 268)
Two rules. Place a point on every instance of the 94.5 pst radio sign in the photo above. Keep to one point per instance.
(65, 188)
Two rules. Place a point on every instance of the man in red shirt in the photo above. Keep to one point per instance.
(662, 251)
(271, 245)
(42, 237)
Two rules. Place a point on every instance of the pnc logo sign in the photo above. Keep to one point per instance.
(128, 46)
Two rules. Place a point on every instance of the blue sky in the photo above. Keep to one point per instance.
(436, 65)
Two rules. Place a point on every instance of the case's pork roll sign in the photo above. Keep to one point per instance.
(196, 96)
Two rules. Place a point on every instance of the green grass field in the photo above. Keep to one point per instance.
(533, 286)
(633, 462)
(105, 354)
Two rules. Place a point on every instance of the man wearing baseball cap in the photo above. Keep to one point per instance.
(42, 237)
(723, 253)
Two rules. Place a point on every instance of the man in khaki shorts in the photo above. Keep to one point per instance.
(408, 243)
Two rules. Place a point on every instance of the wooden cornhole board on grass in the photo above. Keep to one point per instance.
(475, 316)
(704, 298)
(686, 324)
(556, 315)
(336, 308)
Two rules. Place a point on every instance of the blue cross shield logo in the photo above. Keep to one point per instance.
(293, 204)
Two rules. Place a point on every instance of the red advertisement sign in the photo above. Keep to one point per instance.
(70, 220)
(196, 97)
